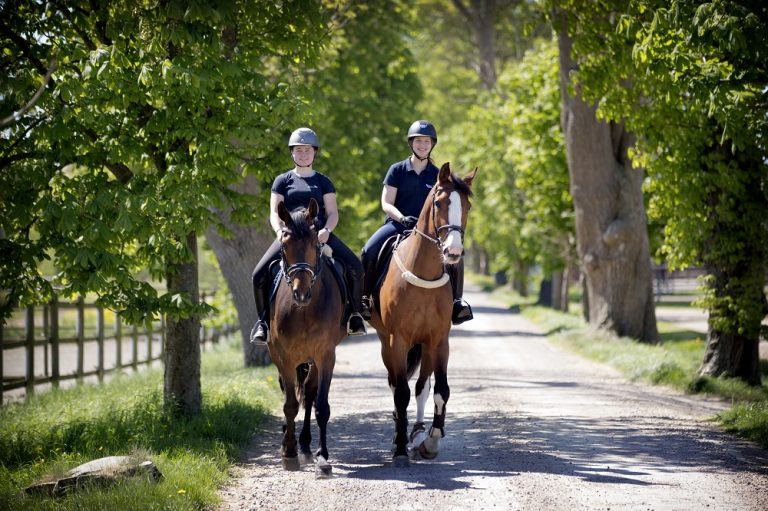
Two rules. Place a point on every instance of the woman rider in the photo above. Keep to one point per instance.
(406, 186)
(296, 187)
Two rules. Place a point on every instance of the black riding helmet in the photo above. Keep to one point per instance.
(422, 128)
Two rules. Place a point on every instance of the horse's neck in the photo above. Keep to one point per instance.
(423, 257)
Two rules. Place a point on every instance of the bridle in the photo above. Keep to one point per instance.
(289, 271)
(409, 276)
(448, 228)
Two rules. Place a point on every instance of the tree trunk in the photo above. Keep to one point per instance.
(733, 350)
(237, 255)
(734, 257)
(557, 293)
(545, 292)
(481, 16)
(181, 388)
(611, 226)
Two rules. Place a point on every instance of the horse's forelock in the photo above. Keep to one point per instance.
(461, 186)
(301, 227)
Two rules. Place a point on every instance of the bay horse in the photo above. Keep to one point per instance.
(306, 325)
(414, 314)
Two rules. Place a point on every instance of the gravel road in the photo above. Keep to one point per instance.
(529, 427)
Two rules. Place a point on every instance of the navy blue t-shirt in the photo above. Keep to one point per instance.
(412, 188)
(298, 190)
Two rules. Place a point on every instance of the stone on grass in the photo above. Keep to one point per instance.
(103, 471)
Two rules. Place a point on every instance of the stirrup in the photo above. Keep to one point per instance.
(366, 307)
(356, 326)
(461, 312)
(260, 333)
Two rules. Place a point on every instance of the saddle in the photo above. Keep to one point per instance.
(382, 263)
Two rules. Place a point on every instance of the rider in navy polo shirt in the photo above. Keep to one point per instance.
(406, 187)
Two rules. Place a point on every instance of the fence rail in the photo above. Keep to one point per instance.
(46, 345)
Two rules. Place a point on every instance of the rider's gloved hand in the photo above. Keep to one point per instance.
(409, 221)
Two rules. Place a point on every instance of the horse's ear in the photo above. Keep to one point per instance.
(445, 172)
(469, 177)
(312, 210)
(283, 213)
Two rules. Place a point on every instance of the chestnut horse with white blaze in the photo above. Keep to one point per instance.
(413, 319)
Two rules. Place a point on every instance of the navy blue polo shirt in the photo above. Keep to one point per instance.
(298, 190)
(412, 188)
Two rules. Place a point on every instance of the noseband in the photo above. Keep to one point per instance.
(289, 271)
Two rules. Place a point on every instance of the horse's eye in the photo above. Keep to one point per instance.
(437, 204)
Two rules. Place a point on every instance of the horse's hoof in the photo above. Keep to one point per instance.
(323, 469)
(401, 461)
(291, 464)
(306, 458)
(426, 453)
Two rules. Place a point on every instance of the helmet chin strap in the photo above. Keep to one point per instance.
(427, 157)
(310, 163)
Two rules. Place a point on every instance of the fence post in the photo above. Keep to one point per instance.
(150, 340)
(135, 336)
(55, 360)
(80, 333)
(30, 348)
(100, 340)
(2, 370)
(162, 337)
(118, 341)
(46, 337)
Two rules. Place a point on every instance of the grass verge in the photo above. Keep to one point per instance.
(59, 430)
(673, 363)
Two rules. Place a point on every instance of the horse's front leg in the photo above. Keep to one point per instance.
(310, 394)
(423, 389)
(290, 410)
(431, 445)
(402, 395)
(323, 412)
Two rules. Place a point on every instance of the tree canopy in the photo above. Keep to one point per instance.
(130, 145)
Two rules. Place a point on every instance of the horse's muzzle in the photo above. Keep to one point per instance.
(302, 298)
(451, 256)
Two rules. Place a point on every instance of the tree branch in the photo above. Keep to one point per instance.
(16, 116)
(83, 35)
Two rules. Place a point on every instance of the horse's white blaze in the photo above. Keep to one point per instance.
(453, 244)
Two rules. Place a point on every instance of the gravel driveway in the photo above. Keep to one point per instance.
(528, 427)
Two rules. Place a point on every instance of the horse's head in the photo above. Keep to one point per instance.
(449, 210)
(300, 250)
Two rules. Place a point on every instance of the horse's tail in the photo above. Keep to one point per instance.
(301, 378)
(414, 359)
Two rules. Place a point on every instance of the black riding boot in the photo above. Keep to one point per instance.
(356, 326)
(260, 331)
(369, 282)
(461, 310)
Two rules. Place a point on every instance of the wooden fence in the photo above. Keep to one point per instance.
(43, 346)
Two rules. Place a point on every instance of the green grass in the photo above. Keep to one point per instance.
(673, 363)
(59, 430)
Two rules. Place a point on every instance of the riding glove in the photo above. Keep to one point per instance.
(409, 221)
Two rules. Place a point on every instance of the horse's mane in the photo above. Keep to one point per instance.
(461, 186)
(301, 228)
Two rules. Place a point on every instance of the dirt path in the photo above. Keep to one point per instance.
(528, 427)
